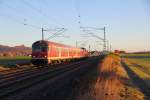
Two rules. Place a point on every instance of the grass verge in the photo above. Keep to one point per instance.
(109, 80)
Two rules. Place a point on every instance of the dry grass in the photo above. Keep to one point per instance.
(111, 83)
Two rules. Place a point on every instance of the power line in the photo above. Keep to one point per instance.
(83, 43)
(12, 18)
(91, 33)
(13, 9)
(16, 20)
(56, 29)
(86, 29)
(24, 22)
(41, 12)
(77, 6)
(19, 22)
(93, 28)
(58, 32)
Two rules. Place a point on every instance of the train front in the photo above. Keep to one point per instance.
(40, 52)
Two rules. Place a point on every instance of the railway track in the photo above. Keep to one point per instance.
(13, 83)
(18, 71)
(21, 69)
(12, 70)
(11, 77)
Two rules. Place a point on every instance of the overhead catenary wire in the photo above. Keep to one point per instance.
(79, 19)
(59, 32)
(55, 34)
(92, 34)
(41, 12)
(14, 10)
(23, 22)
(93, 28)
(12, 18)
(89, 30)
(77, 7)
(18, 21)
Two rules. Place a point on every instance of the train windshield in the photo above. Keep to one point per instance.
(39, 48)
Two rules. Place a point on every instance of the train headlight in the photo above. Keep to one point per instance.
(45, 56)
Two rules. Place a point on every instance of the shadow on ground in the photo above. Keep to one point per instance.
(9, 63)
(139, 82)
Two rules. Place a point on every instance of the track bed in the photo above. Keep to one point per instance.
(45, 83)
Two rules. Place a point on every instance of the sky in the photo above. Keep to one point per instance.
(127, 22)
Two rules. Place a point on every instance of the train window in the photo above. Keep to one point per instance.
(39, 48)
(36, 48)
(44, 48)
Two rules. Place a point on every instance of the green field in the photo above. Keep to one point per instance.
(138, 55)
(142, 64)
(139, 70)
(15, 58)
(13, 61)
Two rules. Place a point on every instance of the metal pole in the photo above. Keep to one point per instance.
(89, 48)
(107, 45)
(110, 47)
(76, 44)
(104, 39)
(42, 34)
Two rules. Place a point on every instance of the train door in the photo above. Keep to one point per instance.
(53, 51)
(68, 52)
(59, 50)
(49, 51)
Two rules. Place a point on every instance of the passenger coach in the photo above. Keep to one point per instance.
(49, 52)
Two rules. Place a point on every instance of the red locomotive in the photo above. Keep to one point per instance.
(49, 52)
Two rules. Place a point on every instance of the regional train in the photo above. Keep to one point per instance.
(46, 52)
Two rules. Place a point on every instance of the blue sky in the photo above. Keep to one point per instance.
(127, 22)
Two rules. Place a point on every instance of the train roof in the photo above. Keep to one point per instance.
(53, 43)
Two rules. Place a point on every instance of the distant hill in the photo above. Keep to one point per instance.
(20, 50)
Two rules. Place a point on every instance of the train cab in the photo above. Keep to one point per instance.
(40, 52)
